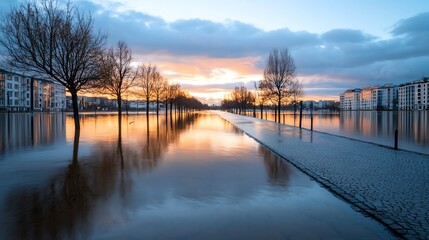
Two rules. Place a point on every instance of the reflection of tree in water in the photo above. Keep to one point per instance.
(277, 170)
(157, 139)
(54, 211)
(62, 208)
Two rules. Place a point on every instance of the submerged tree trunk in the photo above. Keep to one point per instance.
(75, 104)
(119, 99)
(157, 106)
(279, 105)
(166, 109)
(147, 107)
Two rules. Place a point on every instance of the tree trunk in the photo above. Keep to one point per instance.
(119, 99)
(76, 145)
(279, 106)
(166, 109)
(75, 104)
(262, 110)
(157, 106)
(147, 107)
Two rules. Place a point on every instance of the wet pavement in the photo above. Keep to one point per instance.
(194, 176)
(389, 185)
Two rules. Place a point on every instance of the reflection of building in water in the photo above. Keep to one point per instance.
(414, 127)
(24, 129)
(23, 93)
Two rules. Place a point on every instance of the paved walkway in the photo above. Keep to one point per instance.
(388, 185)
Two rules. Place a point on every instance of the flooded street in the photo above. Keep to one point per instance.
(193, 176)
(369, 126)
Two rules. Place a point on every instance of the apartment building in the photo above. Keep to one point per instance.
(23, 93)
(385, 97)
(350, 100)
(408, 96)
(414, 95)
(366, 98)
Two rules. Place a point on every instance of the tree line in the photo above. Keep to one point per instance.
(278, 87)
(48, 39)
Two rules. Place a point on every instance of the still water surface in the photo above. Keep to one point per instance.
(371, 126)
(193, 177)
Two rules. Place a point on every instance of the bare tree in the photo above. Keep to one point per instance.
(260, 97)
(147, 76)
(54, 41)
(172, 91)
(279, 74)
(118, 76)
(242, 97)
(297, 92)
(159, 89)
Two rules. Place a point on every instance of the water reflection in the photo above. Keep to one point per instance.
(58, 209)
(21, 130)
(63, 206)
(373, 126)
(277, 171)
(193, 176)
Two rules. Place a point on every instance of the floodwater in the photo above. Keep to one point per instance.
(191, 177)
(371, 126)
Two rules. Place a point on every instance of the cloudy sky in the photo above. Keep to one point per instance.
(211, 46)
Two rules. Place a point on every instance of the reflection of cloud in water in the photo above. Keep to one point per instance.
(64, 206)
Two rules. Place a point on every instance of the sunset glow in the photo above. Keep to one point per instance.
(211, 47)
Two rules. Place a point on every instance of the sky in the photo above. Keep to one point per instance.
(209, 47)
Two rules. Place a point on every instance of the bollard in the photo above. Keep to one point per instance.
(311, 119)
(396, 139)
(300, 114)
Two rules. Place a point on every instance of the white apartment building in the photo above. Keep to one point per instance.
(367, 98)
(350, 100)
(414, 95)
(23, 93)
(408, 96)
(385, 97)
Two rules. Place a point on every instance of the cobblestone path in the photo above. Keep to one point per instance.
(392, 186)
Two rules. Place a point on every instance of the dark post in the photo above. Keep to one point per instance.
(300, 114)
(311, 119)
(396, 139)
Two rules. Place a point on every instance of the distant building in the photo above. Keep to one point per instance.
(414, 95)
(407, 96)
(385, 97)
(350, 100)
(322, 104)
(23, 93)
(366, 99)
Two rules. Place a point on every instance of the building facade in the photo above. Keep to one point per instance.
(408, 96)
(414, 95)
(350, 100)
(23, 93)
